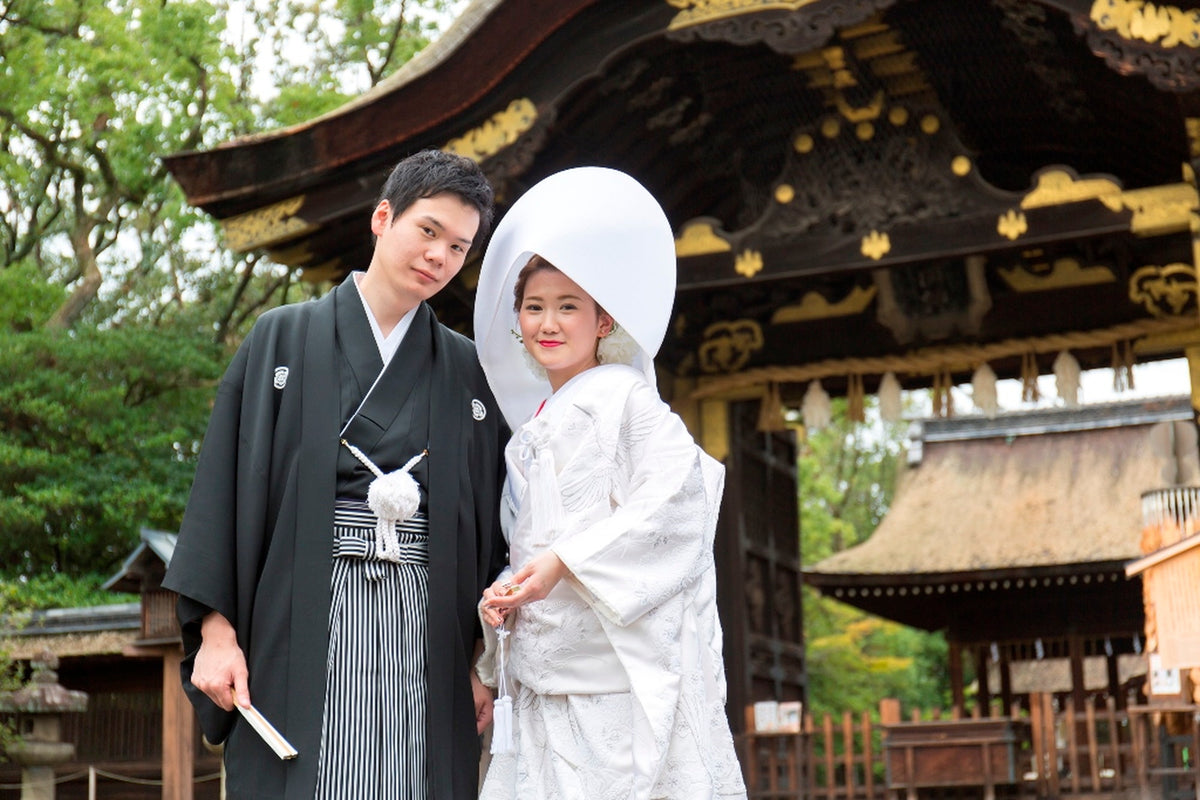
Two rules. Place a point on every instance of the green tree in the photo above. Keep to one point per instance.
(847, 472)
(98, 433)
(321, 53)
(118, 307)
(94, 92)
(90, 93)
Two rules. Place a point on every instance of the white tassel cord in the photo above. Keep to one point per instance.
(502, 721)
(394, 497)
(544, 496)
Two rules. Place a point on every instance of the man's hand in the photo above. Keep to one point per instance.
(483, 703)
(480, 693)
(220, 669)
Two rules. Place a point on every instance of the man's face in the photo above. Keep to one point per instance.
(422, 249)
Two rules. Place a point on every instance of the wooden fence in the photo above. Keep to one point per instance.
(1143, 752)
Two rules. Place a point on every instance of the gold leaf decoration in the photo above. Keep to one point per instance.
(263, 226)
(1164, 25)
(1012, 224)
(1057, 187)
(696, 12)
(1164, 291)
(500, 131)
(1059, 274)
(728, 346)
(876, 245)
(815, 306)
(700, 238)
(749, 263)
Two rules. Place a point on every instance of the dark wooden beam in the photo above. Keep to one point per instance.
(939, 239)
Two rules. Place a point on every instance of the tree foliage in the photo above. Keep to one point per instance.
(100, 427)
(118, 307)
(91, 93)
(320, 53)
(56, 590)
(847, 472)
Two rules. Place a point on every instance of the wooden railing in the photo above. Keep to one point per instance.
(1149, 752)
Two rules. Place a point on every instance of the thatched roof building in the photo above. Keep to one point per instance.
(1011, 534)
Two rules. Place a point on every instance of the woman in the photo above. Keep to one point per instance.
(608, 609)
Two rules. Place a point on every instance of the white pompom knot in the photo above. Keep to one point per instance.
(394, 496)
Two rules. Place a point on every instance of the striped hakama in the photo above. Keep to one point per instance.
(373, 728)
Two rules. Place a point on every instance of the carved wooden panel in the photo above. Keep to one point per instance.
(758, 561)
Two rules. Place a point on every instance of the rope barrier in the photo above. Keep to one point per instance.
(938, 360)
(74, 776)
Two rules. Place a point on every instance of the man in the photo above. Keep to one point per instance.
(305, 587)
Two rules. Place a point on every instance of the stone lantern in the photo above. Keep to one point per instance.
(38, 707)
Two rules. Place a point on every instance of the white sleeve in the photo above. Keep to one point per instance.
(655, 543)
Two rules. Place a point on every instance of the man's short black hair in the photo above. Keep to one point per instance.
(431, 172)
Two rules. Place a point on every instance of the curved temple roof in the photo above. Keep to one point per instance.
(847, 182)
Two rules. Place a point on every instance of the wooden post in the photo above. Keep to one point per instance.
(1111, 666)
(868, 755)
(831, 787)
(179, 745)
(810, 756)
(1051, 744)
(1138, 741)
(1195, 749)
(1078, 685)
(1093, 748)
(956, 675)
(848, 751)
(1006, 692)
(1193, 359)
(1070, 717)
(1114, 737)
(1037, 729)
(983, 700)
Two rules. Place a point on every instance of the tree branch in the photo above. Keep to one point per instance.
(223, 325)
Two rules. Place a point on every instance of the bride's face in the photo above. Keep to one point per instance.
(560, 325)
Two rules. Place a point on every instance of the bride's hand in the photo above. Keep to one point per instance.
(530, 583)
(491, 614)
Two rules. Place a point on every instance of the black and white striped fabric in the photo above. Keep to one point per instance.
(373, 731)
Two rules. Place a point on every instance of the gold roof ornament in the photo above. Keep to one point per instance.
(699, 237)
(1164, 291)
(814, 306)
(728, 346)
(1012, 224)
(696, 12)
(1060, 273)
(749, 263)
(501, 130)
(1155, 23)
(265, 226)
(876, 245)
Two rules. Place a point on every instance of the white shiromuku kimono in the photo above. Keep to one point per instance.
(617, 677)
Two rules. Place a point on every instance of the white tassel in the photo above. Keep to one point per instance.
(545, 498)
(890, 402)
(1066, 378)
(502, 721)
(816, 407)
(983, 390)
